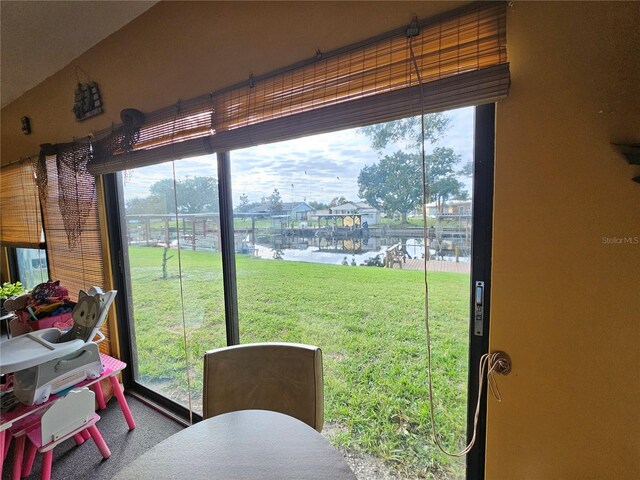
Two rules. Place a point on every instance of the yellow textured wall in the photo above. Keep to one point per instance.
(179, 50)
(566, 306)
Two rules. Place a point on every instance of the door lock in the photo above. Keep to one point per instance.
(478, 309)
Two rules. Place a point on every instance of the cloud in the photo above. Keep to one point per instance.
(320, 167)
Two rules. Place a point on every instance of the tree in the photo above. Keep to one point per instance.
(275, 203)
(337, 201)
(244, 203)
(144, 205)
(394, 184)
(165, 259)
(442, 177)
(198, 195)
(162, 191)
(318, 205)
(407, 130)
(194, 195)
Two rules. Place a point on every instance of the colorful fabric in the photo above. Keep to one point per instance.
(50, 292)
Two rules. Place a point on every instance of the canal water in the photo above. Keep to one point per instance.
(334, 251)
(327, 250)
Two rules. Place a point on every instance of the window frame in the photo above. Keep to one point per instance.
(11, 255)
(482, 221)
(484, 138)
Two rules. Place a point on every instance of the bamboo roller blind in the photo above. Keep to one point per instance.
(167, 130)
(74, 258)
(20, 218)
(462, 61)
(466, 43)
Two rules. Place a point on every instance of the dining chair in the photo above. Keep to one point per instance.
(281, 377)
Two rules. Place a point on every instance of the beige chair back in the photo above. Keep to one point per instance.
(281, 377)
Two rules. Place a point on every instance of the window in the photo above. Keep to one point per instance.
(30, 267)
(309, 258)
(21, 232)
(461, 61)
(330, 252)
(171, 253)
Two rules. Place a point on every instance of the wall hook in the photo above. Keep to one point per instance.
(500, 363)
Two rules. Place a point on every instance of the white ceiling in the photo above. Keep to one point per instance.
(38, 38)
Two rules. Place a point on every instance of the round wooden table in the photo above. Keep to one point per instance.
(242, 445)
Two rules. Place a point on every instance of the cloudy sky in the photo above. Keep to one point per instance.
(315, 168)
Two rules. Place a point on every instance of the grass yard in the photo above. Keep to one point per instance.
(368, 321)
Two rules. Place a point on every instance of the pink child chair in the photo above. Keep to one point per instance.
(72, 416)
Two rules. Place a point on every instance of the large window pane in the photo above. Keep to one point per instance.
(32, 267)
(173, 238)
(329, 235)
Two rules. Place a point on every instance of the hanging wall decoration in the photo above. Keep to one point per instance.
(76, 188)
(42, 178)
(132, 120)
(88, 102)
(121, 139)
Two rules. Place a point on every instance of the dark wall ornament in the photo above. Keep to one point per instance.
(132, 120)
(88, 101)
(26, 125)
(631, 151)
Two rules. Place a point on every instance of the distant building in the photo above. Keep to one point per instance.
(298, 210)
(451, 207)
(344, 209)
(295, 210)
(367, 213)
(280, 221)
(260, 209)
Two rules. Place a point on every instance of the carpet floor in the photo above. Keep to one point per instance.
(72, 462)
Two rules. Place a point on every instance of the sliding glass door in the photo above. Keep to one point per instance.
(330, 241)
(171, 249)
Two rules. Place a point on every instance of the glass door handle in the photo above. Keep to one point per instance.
(478, 309)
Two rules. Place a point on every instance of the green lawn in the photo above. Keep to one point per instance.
(368, 321)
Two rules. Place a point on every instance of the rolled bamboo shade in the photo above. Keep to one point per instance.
(178, 131)
(462, 61)
(20, 218)
(74, 247)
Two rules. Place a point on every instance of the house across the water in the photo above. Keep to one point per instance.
(367, 213)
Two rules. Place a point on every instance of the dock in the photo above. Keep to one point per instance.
(436, 266)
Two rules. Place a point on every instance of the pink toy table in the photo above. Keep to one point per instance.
(35, 444)
(111, 367)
